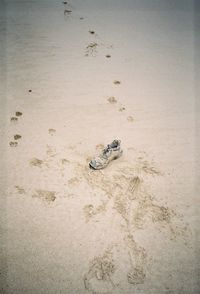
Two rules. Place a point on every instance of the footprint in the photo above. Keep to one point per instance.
(112, 100)
(13, 144)
(91, 49)
(130, 119)
(36, 162)
(20, 190)
(52, 132)
(66, 11)
(18, 113)
(48, 196)
(17, 137)
(116, 82)
(14, 119)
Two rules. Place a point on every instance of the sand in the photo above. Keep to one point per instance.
(75, 77)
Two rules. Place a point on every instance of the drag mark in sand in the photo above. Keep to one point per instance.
(73, 181)
(99, 146)
(132, 200)
(148, 167)
(138, 260)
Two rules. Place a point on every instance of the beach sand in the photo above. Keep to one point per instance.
(76, 76)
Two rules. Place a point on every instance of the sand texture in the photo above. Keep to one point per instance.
(76, 75)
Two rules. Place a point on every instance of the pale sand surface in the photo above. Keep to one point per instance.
(132, 227)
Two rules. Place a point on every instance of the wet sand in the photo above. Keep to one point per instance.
(76, 76)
